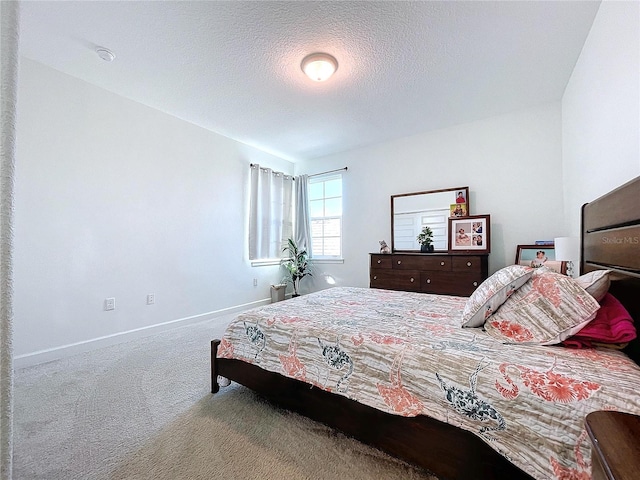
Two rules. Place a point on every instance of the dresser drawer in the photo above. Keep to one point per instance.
(380, 261)
(466, 264)
(460, 284)
(422, 262)
(408, 280)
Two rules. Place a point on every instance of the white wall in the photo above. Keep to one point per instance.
(115, 199)
(511, 164)
(601, 110)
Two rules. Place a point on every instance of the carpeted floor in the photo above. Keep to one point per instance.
(142, 410)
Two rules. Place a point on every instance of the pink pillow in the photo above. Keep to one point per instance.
(613, 324)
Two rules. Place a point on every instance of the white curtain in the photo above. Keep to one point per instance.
(302, 218)
(270, 212)
(9, 36)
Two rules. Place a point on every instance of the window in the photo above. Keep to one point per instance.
(325, 212)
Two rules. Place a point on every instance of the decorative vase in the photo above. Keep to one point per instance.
(426, 248)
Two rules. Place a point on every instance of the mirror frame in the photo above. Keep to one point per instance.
(393, 197)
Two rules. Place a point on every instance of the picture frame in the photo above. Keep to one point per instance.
(470, 234)
(461, 196)
(457, 210)
(530, 256)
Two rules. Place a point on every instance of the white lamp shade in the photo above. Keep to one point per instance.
(567, 249)
(319, 66)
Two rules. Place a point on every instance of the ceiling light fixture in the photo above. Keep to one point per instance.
(319, 66)
(105, 54)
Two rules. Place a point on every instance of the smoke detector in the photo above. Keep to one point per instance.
(105, 54)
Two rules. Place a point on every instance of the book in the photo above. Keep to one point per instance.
(544, 242)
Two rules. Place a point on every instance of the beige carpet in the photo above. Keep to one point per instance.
(142, 410)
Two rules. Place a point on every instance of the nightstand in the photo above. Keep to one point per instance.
(615, 437)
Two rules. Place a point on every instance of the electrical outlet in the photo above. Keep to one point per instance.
(151, 299)
(255, 282)
(110, 304)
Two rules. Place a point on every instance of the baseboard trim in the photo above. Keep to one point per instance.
(63, 351)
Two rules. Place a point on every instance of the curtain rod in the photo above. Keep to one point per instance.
(315, 174)
(330, 171)
(251, 165)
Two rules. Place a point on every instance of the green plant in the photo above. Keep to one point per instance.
(297, 265)
(425, 237)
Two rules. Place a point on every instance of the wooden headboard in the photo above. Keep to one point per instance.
(611, 240)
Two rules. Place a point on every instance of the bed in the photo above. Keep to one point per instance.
(397, 371)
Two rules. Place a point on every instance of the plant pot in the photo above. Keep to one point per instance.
(426, 248)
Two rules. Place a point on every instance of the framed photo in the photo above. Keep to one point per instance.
(458, 210)
(540, 255)
(461, 195)
(471, 233)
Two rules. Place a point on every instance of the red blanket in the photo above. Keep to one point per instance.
(612, 325)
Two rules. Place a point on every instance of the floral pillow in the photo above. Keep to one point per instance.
(596, 283)
(545, 311)
(492, 293)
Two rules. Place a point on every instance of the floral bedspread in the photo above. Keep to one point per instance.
(406, 354)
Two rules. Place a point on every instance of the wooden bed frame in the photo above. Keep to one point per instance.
(610, 240)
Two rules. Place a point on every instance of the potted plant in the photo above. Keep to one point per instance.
(425, 239)
(297, 265)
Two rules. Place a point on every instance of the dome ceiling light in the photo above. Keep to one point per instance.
(319, 66)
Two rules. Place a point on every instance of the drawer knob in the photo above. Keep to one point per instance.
(399, 262)
(375, 277)
(412, 280)
(442, 263)
(475, 284)
(428, 280)
(379, 261)
(468, 263)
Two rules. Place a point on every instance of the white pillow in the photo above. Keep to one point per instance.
(596, 283)
(492, 293)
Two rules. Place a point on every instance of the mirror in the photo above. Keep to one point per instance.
(412, 211)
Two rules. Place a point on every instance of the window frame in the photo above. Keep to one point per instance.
(322, 179)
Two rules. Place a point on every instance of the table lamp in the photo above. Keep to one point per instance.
(567, 249)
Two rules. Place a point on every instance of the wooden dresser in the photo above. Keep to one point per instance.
(439, 273)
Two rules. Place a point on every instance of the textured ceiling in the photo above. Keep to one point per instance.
(234, 67)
